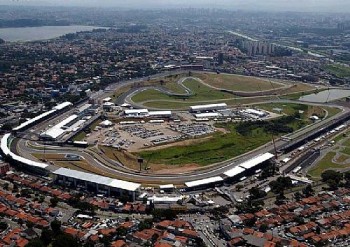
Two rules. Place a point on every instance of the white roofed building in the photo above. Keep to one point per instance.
(136, 113)
(107, 99)
(255, 112)
(235, 172)
(165, 114)
(100, 184)
(255, 162)
(106, 123)
(204, 183)
(209, 107)
(208, 115)
(59, 129)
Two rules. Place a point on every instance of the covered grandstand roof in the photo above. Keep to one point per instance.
(205, 181)
(166, 186)
(6, 150)
(33, 120)
(208, 107)
(136, 111)
(43, 115)
(256, 161)
(234, 171)
(58, 130)
(62, 106)
(159, 113)
(89, 177)
(4, 144)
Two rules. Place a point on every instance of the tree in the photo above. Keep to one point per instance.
(5, 186)
(30, 225)
(332, 178)
(347, 178)
(146, 224)
(56, 227)
(331, 175)
(263, 228)
(65, 240)
(106, 240)
(20, 222)
(239, 187)
(250, 222)
(297, 196)
(3, 225)
(46, 236)
(256, 193)
(54, 201)
(308, 191)
(35, 243)
(121, 231)
(280, 184)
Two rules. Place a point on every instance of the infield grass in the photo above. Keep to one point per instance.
(325, 164)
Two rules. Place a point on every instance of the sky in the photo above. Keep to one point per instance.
(275, 5)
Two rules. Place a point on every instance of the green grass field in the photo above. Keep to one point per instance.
(201, 93)
(237, 82)
(325, 164)
(338, 70)
(219, 147)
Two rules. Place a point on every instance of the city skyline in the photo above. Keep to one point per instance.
(273, 5)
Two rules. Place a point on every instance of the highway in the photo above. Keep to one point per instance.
(112, 168)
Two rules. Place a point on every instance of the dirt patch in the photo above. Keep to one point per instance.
(177, 170)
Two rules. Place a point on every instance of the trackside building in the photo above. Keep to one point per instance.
(210, 107)
(204, 183)
(97, 183)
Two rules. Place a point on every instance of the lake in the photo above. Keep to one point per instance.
(39, 33)
(326, 96)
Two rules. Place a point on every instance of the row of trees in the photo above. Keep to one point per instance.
(276, 126)
(335, 179)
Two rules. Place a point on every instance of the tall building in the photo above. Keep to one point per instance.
(258, 47)
(220, 58)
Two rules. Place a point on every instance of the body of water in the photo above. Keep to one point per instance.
(326, 96)
(39, 33)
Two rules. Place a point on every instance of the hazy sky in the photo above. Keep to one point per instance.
(303, 5)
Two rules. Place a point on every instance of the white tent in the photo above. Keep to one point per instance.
(106, 123)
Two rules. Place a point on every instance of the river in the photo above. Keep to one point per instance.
(326, 96)
(39, 33)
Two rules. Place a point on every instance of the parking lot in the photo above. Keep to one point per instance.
(137, 135)
(193, 129)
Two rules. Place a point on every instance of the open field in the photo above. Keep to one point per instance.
(130, 161)
(338, 70)
(201, 93)
(342, 158)
(335, 159)
(238, 82)
(325, 164)
(219, 147)
(49, 156)
(308, 110)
